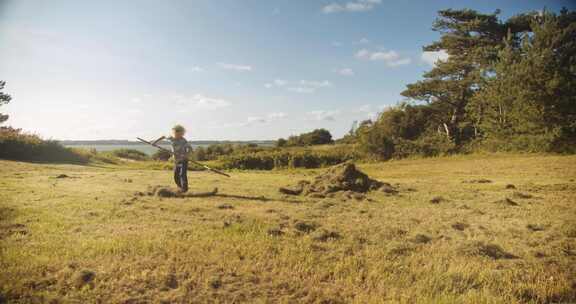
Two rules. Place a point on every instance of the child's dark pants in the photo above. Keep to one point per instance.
(180, 174)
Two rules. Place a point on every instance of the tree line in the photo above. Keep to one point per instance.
(507, 85)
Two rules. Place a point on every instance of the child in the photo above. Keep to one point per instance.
(181, 149)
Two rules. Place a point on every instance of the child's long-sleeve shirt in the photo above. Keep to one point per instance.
(180, 147)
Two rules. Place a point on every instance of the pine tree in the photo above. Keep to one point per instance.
(471, 40)
(530, 98)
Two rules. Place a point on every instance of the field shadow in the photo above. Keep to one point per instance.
(255, 198)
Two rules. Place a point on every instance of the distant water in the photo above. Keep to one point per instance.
(144, 148)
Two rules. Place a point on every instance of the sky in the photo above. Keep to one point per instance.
(225, 69)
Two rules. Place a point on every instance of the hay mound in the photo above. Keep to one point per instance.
(343, 178)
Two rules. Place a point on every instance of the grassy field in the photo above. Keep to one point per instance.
(457, 232)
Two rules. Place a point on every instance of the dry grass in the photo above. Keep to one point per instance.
(87, 238)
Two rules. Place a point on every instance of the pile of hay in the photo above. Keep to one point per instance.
(344, 179)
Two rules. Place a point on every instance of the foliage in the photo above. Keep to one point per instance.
(426, 146)
(93, 156)
(281, 142)
(316, 137)
(161, 155)
(530, 102)
(4, 99)
(402, 131)
(289, 158)
(130, 154)
(506, 86)
(17, 145)
(470, 40)
(376, 142)
(215, 151)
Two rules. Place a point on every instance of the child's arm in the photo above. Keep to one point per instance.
(159, 139)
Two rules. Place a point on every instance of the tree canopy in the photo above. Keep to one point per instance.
(316, 137)
(506, 85)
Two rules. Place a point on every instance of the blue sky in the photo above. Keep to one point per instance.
(226, 69)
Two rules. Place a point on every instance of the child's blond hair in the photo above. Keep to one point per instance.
(179, 129)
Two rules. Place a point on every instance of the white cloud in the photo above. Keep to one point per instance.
(255, 120)
(365, 108)
(363, 53)
(371, 111)
(201, 101)
(398, 62)
(141, 98)
(323, 115)
(432, 57)
(276, 83)
(345, 72)
(363, 41)
(336, 44)
(197, 69)
(332, 8)
(270, 117)
(385, 56)
(235, 67)
(302, 86)
(280, 82)
(352, 6)
(315, 84)
(277, 115)
(391, 58)
(302, 90)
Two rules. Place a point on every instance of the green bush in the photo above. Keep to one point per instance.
(316, 137)
(215, 151)
(521, 143)
(161, 155)
(376, 143)
(92, 155)
(287, 158)
(427, 146)
(435, 145)
(17, 145)
(130, 154)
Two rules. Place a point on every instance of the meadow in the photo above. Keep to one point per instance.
(494, 228)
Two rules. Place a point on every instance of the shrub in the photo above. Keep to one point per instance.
(427, 146)
(17, 145)
(161, 155)
(376, 143)
(288, 158)
(92, 155)
(435, 145)
(316, 137)
(281, 142)
(215, 151)
(130, 154)
(520, 143)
